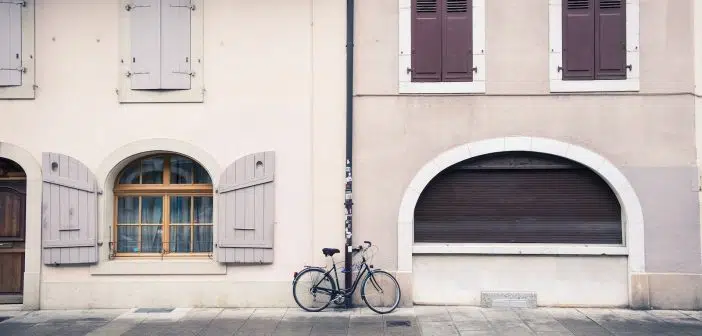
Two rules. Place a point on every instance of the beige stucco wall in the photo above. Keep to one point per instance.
(273, 80)
(648, 135)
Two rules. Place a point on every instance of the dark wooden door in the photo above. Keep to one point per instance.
(12, 235)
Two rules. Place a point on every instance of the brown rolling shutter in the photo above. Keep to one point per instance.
(518, 198)
(578, 40)
(610, 42)
(457, 64)
(426, 41)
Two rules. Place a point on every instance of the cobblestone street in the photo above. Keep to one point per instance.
(420, 320)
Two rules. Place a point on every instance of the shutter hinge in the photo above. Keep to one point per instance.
(20, 69)
(129, 7)
(629, 67)
(475, 69)
(21, 3)
(409, 70)
(559, 69)
(192, 7)
(191, 74)
(130, 74)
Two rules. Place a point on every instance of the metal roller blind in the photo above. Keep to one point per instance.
(527, 203)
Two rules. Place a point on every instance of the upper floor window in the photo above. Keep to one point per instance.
(16, 49)
(161, 51)
(442, 46)
(594, 45)
(164, 206)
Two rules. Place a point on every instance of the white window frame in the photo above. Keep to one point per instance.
(631, 83)
(196, 92)
(405, 56)
(26, 90)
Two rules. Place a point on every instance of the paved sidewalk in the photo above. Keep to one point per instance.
(420, 320)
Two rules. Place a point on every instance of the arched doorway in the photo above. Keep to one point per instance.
(13, 187)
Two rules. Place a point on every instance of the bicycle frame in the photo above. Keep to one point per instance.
(347, 292)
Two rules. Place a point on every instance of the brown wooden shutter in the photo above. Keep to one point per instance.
(426, 40)
(457, 63)
(69, 211)
(518, 198)
(610, 41)
(246, 210)
(578, 39)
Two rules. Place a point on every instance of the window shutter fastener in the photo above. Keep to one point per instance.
(129, 7)
(475, 69)
(129, 73)
(559, 69)
(629, 67)
(409, 70)
(191, 74)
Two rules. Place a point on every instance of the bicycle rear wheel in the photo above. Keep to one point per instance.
(381, 292)
(312, 289)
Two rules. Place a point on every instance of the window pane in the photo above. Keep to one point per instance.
(201, 175)
(130, 175)
(127, 210)
(181, 170)
(203, 209)
(203, 238)
(127, 238)
(180, 209)
(180, 238)
(152, 171)
(151, 239)
(151, 209)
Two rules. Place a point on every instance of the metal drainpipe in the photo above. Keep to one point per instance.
(348, 203)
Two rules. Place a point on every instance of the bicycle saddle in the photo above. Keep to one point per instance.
(328, 252)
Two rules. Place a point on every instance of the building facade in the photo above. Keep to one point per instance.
(171, 153)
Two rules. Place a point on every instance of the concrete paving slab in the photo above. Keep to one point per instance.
(432, 313)
(438, 328)
(539, 320)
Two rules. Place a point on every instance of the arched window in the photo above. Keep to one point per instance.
(163, 206)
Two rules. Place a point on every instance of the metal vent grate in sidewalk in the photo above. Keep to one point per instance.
(402, 323)
(154, 310)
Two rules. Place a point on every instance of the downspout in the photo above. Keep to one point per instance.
(348, 203)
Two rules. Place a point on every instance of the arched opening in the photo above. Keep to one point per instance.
(163, 206)
(13, 186)
(518, 197)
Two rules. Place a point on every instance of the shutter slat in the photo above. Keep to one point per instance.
(175, 44)
(145, 37)
(610, 46)
(426, 41)
(561, 205)
(457, 63)
(10, 44)
(579, 40)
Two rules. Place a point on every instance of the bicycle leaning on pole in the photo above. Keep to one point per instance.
(314, 288)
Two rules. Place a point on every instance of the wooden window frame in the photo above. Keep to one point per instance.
(166, 190)
(556, 82)
(405, 83)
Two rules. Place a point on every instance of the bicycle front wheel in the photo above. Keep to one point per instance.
(312, 290)
(381, 292)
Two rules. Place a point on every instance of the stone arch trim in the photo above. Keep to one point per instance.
(632, 213)
(32, 256)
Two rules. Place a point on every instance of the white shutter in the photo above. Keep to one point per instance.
(11, 43)
(175, 44)
(145, 27)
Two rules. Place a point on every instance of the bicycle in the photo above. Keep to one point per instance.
(331, 291)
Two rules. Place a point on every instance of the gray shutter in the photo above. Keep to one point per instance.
(246, 210)
(11, 43)
(175, 44)
(145, 37)
(69, 211)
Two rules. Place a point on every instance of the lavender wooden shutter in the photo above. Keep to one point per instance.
(175, 44)
(145, 26)
(578, 40)
(426, 41)
(246, 210)
(610, 42)
(69, 211)
(11, 43)
(457, 63)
